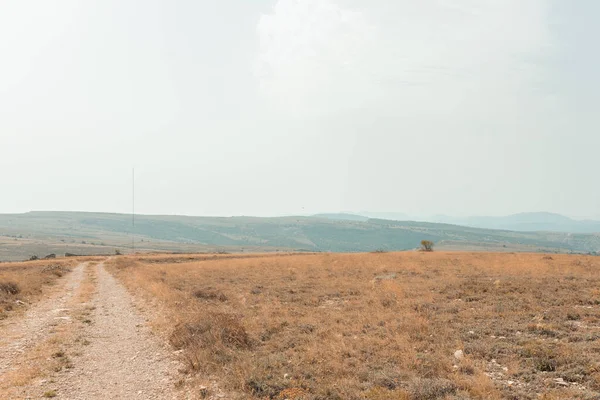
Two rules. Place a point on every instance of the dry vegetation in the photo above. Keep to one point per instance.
(22, 283)
(55, 352)
(380, 326)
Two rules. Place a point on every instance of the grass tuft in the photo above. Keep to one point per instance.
(10, 288)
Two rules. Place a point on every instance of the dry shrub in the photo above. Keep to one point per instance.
(209, 294)
(56, 270)
(595, 381)
(431, 389)
(544, 357)
(270, 388)
(467, 367)
(215, 328)
(10, 288)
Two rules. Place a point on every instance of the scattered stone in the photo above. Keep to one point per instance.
(385, 277)
(459, 355)
(203, 391)
(561, 382)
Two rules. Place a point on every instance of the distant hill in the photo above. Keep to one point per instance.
(394, 216)
(55, 232)
(342, 217)
(522, 222)
(538, 221)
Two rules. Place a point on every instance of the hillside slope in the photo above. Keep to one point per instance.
(182, 233)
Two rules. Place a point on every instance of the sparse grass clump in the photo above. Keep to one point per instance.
(57, 270)
(9, 288)
(8, 291)
(431, 389)
(209, 294)
(214, 329)
(384, 326)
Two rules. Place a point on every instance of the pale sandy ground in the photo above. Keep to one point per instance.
(122, 359)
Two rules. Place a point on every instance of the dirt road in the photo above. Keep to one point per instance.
(118, 357)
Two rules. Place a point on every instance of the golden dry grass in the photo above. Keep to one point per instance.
(380, 326)
(23, 283)
(56, 351)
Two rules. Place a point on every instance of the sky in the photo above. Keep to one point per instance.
(275, 107)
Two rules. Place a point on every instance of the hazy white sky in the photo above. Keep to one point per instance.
(270, 107)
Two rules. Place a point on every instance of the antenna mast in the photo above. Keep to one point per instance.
(133, 211)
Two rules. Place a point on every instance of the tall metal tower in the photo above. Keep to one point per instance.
(133, 210)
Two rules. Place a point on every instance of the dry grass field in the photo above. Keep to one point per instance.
(22, 283)
(378, 326)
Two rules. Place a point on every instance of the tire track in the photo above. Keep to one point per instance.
(123, 359)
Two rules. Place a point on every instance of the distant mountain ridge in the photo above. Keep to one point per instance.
(521, 222)
(342, 217)
(533, 221)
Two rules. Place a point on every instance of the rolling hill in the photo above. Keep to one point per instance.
(39, 233)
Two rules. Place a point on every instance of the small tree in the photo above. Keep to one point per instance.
(426, 245)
